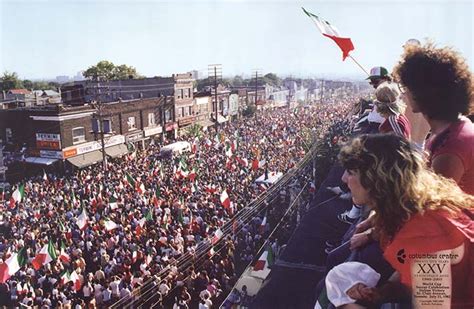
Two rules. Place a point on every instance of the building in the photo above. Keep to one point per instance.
(70, 136)
(43, 97)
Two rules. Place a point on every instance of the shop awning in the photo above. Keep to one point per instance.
(221, 119)
(40, 161)
(206, 123)
(116, 151)
(86, 159)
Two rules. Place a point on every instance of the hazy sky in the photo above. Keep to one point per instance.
(48, 38)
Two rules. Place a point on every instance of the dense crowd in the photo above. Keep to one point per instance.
(91, 238)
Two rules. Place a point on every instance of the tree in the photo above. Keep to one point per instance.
(237, 81)
(194, 130)
(106, 70)
(273, 79)
(28, 84)
(11, 81)
(125, 72)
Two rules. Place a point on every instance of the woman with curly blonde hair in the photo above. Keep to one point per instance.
(417, 212)
(391, 107)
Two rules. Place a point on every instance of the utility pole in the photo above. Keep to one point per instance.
(215, 72)
(99, 105)
(256, 91)
(322, 90)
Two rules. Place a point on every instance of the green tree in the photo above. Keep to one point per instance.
(10, 80)
(106, 70)
(28, 84)
(125, 72)
(237, 81)
(273, 79)
(194, 130)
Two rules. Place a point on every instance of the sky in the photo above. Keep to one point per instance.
(44, 39)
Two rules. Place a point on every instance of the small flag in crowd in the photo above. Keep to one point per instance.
(63, 256)
(263, 225)
(12, 265)
(345, 44)
(113, 201)
(225, 200)
(45, 256)
(265, 260)
(17, 196)
(110, 225)
(82, 220)
(217, 236)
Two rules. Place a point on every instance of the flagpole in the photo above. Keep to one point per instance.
(359, 65)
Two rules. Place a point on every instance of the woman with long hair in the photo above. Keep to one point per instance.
(417, 214)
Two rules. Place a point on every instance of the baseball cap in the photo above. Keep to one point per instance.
(378, 72)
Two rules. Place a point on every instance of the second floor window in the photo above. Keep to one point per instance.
(151, 119)
(131, 123)
(78, 135)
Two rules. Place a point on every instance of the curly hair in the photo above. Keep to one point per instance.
(388, 100)
(398, 181)
(439, 80)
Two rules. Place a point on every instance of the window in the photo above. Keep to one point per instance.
(182, 92)
(182, 112)
(78, 135)
(8, 135)
(131, 123)
(189, 92)
(190, 110)
(151, 119)
(167, 115)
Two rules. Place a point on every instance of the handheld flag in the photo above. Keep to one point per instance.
(328, 30)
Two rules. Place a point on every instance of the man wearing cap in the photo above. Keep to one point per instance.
(377, 76)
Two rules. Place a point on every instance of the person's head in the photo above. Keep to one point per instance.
(388, 100)
(437, 81)
(384, 172)
(377, 76)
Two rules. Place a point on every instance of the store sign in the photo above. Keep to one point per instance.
(51, 154)
(185, 121)
(48, 137)
(135, 136)
(171, 126)
(48, 141)
(153, 131)
(92, 146)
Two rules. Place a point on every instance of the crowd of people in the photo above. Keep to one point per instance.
(413, 203)
(95, 237)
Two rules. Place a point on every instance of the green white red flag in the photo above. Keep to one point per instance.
(45, 256)
(12, 265)
(328, 30)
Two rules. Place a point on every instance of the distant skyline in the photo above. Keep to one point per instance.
(44, 39)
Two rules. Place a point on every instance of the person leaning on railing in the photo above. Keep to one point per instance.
(416, 212)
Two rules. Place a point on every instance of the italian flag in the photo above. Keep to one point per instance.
(192, 175)
(113, 202)
(63, 256)
(130, 180)
(110, 225)
(225, 200)
(71, 277)
(141, 188)
(45, 256)
(328, 30)
(217, 236)
(12, 265)
(265, 260)
(142, 221)
(228, 150)
(82, 220)
(17, 196)
(263, 224)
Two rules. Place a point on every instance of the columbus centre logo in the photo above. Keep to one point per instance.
(401, 256)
